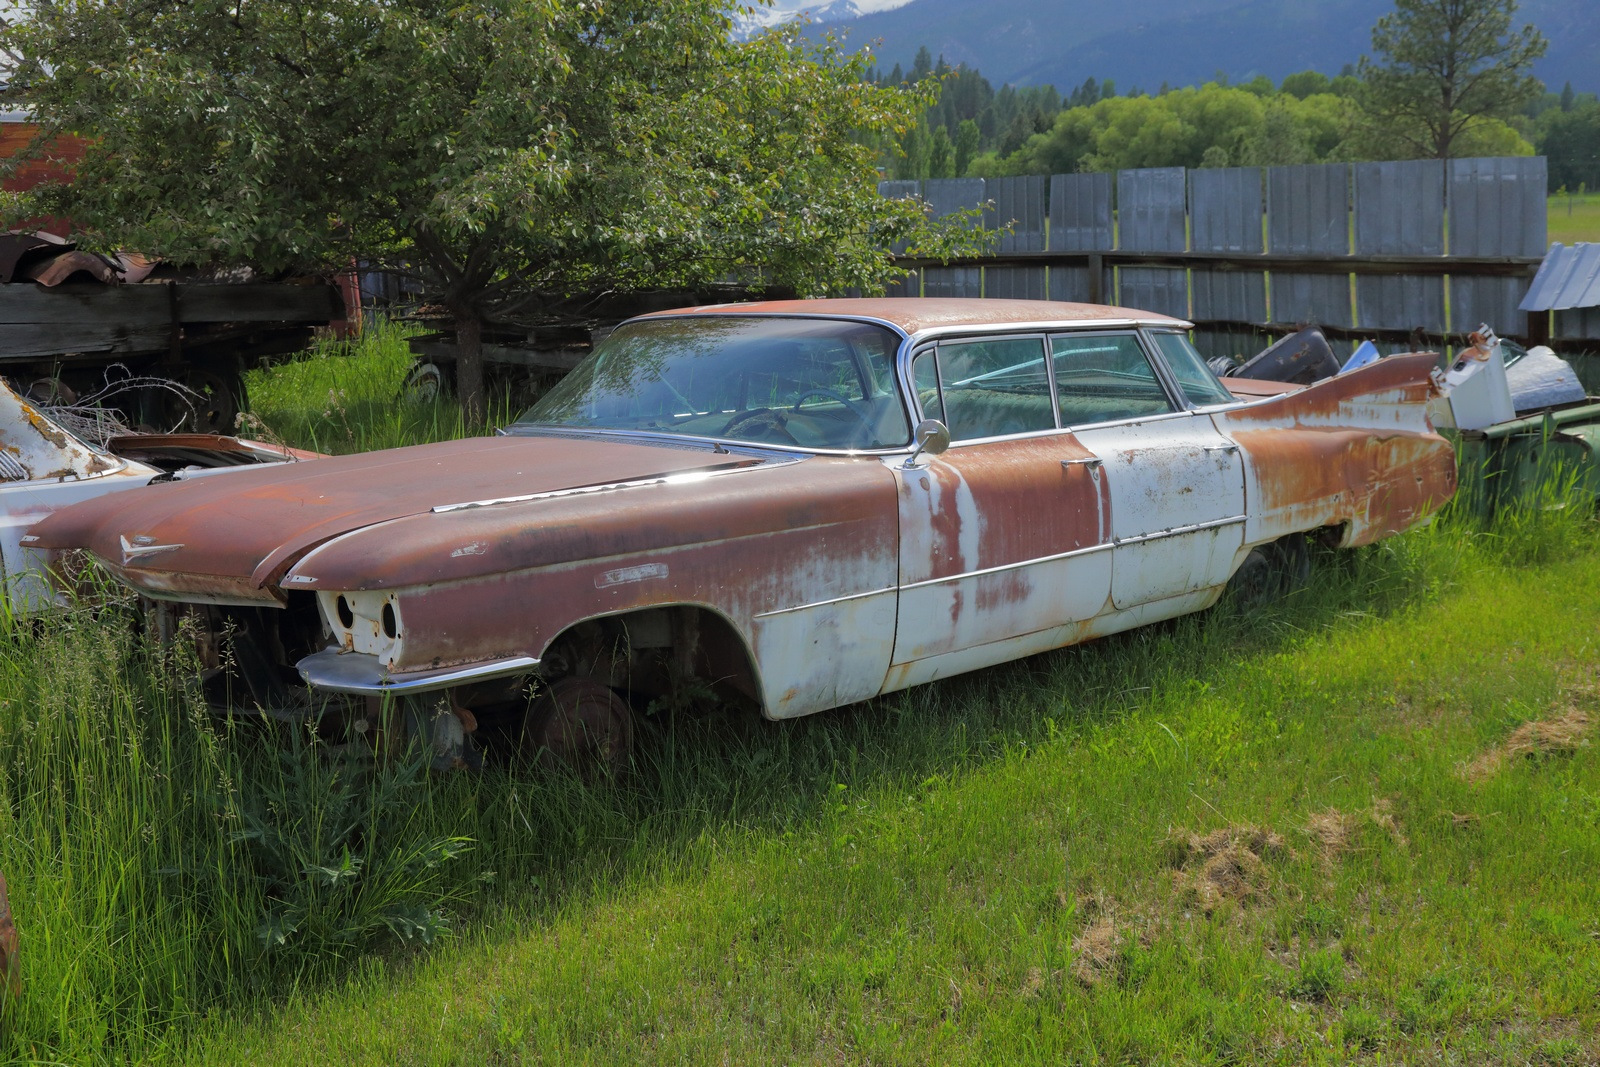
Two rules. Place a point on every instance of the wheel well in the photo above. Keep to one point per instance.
(672, 653)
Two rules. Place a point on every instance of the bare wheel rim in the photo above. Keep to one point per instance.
(579, 723)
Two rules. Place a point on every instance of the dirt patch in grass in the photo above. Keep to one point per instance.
(1560, 735)
(1333, 832)
(1383, 818)
(1224, 866)
(1097, 952)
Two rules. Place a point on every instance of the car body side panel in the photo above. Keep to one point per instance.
(1354, 451)
(800, 558)
(1058, 635)
(1177, 506)
(998, 539)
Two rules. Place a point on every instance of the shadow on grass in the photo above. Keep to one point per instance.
(244, 874)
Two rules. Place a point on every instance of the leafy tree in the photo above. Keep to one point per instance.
(967, 144)
(507, 150)
(1571, 141)
(1305, 83)
(1444, 68)
(941, 154)
(1279, 139)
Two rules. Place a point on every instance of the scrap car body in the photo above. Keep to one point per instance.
(741, 495)
(44, 467)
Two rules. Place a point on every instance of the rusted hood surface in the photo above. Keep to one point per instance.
(249, 526)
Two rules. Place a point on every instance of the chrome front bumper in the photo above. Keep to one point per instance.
(355, 672)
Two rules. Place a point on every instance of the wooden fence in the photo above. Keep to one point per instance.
(1397, 252)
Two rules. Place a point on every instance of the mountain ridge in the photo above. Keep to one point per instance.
(1178, 42)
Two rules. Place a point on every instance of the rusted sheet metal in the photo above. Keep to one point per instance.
(800, 557)
(1000, 539)
(1177, 506)
(915, 316)
(1355, 450)
(74, 264)
(165, 447)
(844, 576)
(44, 469)
(254, 523)
(32, 448)
(1256, 388)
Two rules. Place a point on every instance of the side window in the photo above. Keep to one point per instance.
(1104, 378)
(1190, 371)
(995, 387)
(925, 379)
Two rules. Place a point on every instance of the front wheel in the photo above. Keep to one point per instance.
(580, 723)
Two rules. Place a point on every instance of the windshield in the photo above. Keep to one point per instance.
(815, 383)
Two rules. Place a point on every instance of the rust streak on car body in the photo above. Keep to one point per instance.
(257, 522)
(786, 537)
(1355, 450)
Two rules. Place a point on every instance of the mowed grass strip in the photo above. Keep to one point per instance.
(1264, 840)
(1574, 218)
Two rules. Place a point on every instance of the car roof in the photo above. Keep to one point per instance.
(916, 315)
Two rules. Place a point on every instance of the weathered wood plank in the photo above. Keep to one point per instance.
(34, 340)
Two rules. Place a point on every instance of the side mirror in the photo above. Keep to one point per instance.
(932, 437)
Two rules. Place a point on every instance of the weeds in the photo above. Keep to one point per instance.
(165, 866)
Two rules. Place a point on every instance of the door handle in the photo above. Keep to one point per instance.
(1221, 448)
(1086, 461)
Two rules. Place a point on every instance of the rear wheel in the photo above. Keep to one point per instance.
(580, 723)
(1271, 572)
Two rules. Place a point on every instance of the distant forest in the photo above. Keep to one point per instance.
(975, 130)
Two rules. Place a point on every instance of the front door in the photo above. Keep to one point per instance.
(1005, 535)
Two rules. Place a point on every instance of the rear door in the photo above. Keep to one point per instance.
(1176, 484)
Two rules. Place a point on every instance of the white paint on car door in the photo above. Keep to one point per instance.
(1177, 505)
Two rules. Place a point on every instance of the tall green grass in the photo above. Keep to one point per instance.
(170, 871)
(350, 396)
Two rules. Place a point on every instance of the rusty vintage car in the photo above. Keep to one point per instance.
(798, 504)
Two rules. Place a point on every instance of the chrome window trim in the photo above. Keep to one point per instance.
(911, 345)
(1050, 377)
(1163, 377)
(1175, 385)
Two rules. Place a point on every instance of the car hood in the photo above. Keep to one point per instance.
(250, 527)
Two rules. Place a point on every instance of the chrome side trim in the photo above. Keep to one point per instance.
(1174, 532)
(680, 478)
(356, 672)
(1179, 530)
(824, 603)
(1105, 546)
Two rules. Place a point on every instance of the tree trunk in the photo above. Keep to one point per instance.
(469, 366)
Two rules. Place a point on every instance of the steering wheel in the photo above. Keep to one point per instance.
(831, 395)
(773, 418)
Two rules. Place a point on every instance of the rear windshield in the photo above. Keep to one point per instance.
(814, 383)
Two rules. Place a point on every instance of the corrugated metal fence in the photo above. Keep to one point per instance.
(1388, 250)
